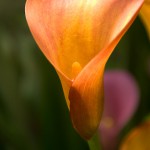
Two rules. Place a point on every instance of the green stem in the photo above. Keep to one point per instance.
(94, 143)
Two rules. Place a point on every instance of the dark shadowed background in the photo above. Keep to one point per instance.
(33, 112)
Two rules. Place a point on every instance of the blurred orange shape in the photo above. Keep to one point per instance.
(138, 138)
(77, 37)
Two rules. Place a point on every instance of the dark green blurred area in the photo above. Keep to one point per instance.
(33, 112)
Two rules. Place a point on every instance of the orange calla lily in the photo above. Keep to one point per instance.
(145, 15)
(138, 138)
(77, 37)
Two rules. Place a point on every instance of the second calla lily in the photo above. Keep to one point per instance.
(138, 138)
(77, 37)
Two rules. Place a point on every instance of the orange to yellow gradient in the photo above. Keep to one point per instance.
(77, 37)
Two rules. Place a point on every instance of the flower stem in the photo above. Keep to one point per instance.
(94, 143)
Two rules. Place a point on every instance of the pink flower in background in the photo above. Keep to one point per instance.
(121, 101)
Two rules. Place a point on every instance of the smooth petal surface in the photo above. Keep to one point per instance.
(86, 93)
(138, 138)
(77, 37)
(121, 101)
(145, 15)
(69, 31)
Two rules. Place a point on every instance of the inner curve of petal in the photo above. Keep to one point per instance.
(86, 92)
(69, 31)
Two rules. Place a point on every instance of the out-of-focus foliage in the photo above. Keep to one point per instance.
(33, 113)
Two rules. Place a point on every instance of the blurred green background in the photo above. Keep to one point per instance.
(33, 112)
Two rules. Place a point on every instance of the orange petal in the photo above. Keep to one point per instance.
(138, 138)
(69, 31)
(145, 15)
(77, 37)
(86, 93)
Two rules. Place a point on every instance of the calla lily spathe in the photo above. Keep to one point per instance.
(77, 37)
